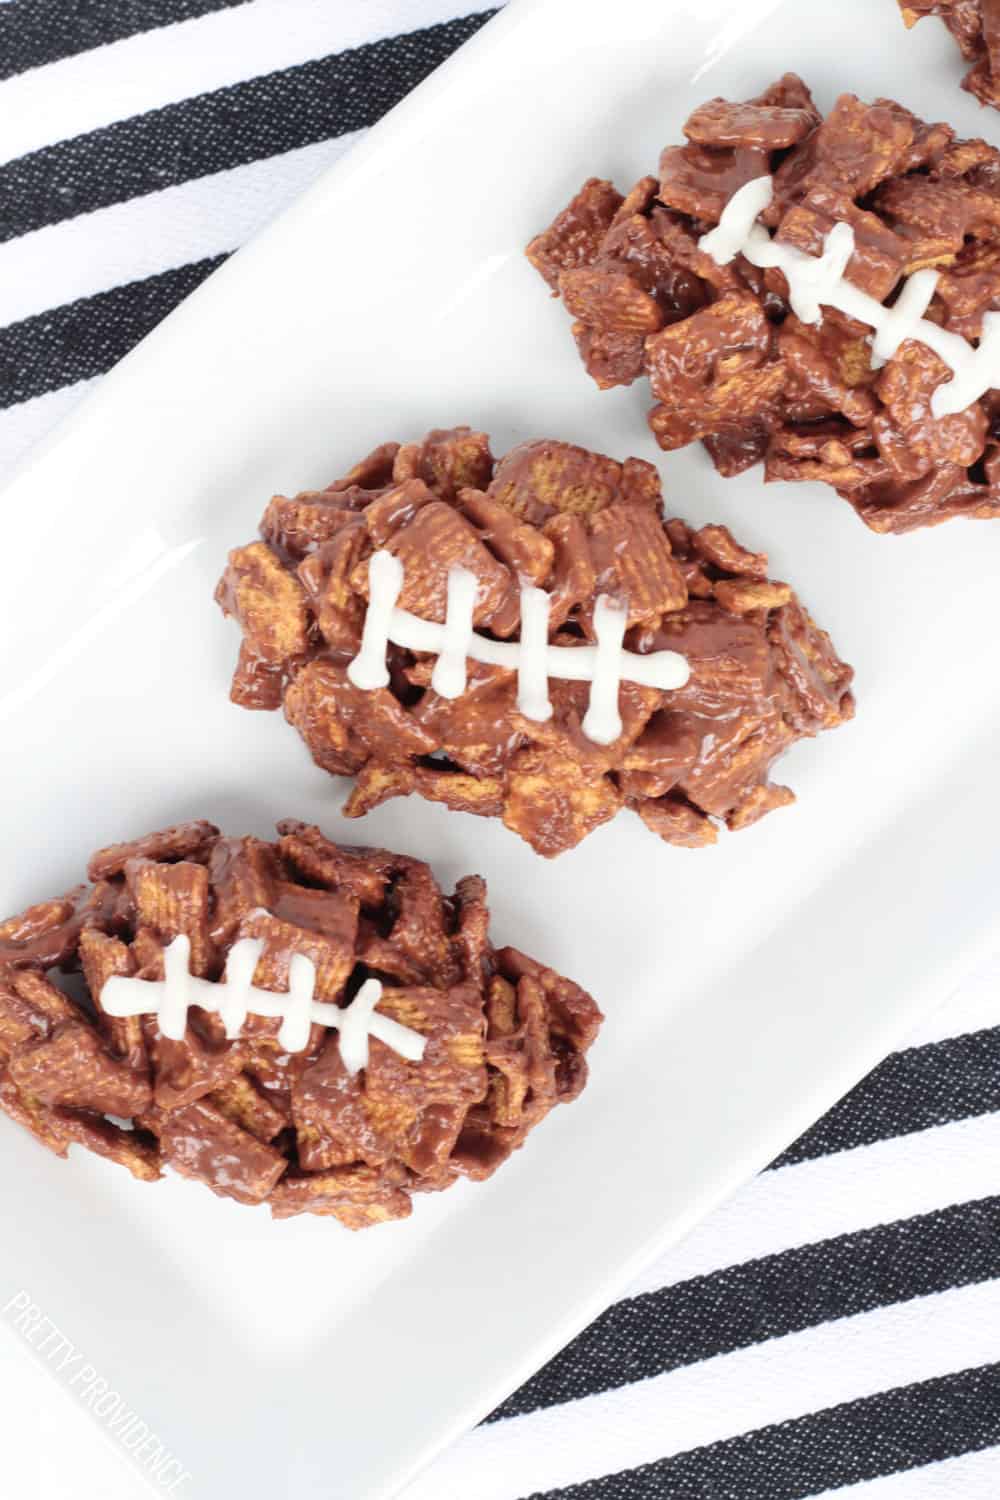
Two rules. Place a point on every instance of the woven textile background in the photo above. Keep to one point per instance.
(836, 1327)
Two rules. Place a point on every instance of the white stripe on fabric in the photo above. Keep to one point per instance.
(973, 1476)
(21, 427)
(840, 1194)
(144, 72)
(720, 1398)
(143, 236)
(975, 1007)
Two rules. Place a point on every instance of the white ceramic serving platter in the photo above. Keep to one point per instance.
(746, 987)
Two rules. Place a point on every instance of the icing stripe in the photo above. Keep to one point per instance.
(236, 995)
(604, 666)
(818, 281)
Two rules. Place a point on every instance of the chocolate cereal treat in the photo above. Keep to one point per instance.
(813, 293)
(528, 640)
(975, 25)
(294, 1023)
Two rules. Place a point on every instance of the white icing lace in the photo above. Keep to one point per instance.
(819, 281)
(605, 666)
(236, 996)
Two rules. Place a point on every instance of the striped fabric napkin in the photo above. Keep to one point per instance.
(836, 1327)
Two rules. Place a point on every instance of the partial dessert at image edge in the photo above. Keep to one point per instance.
(294, 1023)
(975, 25)
(528, 639)
(812, 293)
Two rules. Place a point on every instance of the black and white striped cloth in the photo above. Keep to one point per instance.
(836, 1327)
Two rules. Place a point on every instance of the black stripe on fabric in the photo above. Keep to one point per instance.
(36, 32)
(246, 122)
(85, 338)
(767, 1299)
(912, 1090)
(890, 1433)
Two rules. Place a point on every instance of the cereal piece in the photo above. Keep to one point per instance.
(700, 182)
(540, 480)
(757, 803)
(186, 1071)
(372, 473)
(728, 656)
(718, 546)
(448, 460)
(434, 541)
(742, 595)
(393, 508)
(831, 452)
(553, 803)
(667, 747)
(295, 525)
(677, 822)
(857, 146)
(72, 1067)
(46, 934)
(575, 235)
(359, 1196)
(321, 924)
(134, 1149)
(480, 795)
(173, 899)
(256, 683)
(243, 874)
(574, 580)
(268, 601)
(571, 1013)
(564, 733)
(910, 440)
(523, 1081)
(739, 445)
(476, 732)
(472, 929)
(44, 1123)
(523, 549)
(828, 373)
(375, 784)
(419, 931)
(363, 873)
(31, 998)
(770, 127)
(199, 1142)
(945, 492)
(633, 561)
(970, 287)
(247, 1107)
(737, 758)
(713, 369)
(20, 1021)
(183, 841)
(817, 682)
(334, 716)
(610, 298)
(326, 576)
(610, 358)
(102, 956)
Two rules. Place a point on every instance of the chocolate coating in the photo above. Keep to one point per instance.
(728, 362)
(580, 526)
(506, 1038)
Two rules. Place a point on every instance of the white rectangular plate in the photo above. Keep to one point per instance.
(745, 987)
